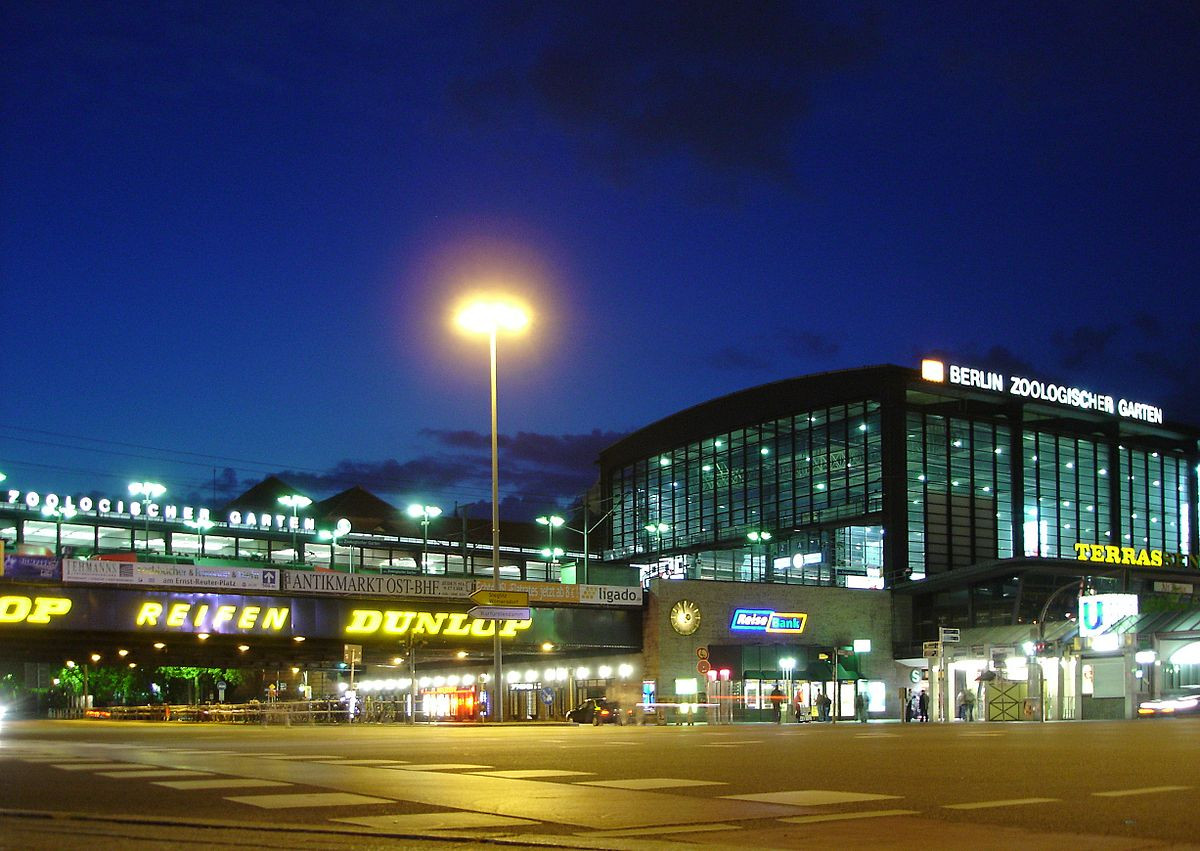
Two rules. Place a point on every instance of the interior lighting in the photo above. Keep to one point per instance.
(604, 672)
(581, 673)
(625, 670)
(531, 676)
(512, 677)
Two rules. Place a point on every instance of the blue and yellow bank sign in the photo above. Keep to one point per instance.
(768, 621)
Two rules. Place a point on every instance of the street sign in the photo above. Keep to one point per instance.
(500, 613)
(547, 695)
(929, 649)
(701, 653)
(947, 635)
(703, 666)
(506, 599)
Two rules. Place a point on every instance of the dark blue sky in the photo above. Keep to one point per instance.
(231, 233)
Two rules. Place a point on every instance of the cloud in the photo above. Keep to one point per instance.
(807, 344)
(721, 87)
(1083, 345)
(733, 358)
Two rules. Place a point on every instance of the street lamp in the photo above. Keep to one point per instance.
(757, 537)
(295, 501)
(340, 531)
(551, 523)
(148, 491)
(426, 513)
(59, 513)
(201, 526)
(490, 318)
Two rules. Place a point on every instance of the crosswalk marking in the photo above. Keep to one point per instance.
(426, 822)
(1145, 790)
(651, 783)
(659, 831)
(876, 735)
(97, 766)
(811, 797)
(303, 757)
(220, 783)
(307, 799)
(156, 772)
(847, 816)
(1012, 802)
(363, 761)
(438, 766)
(530, 773)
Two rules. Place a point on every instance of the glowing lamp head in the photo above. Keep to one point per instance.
(491, 316)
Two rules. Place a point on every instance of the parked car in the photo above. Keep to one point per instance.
(595, 711)
(1180, 702)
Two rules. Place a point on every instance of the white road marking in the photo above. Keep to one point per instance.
(876, 735)
(363, 761)
(307, 799)
(195, 750)
(651, 783)
(1013, 802)
(65, 758)
(262, 753)
(423, 822)
(98, 766)
(310, 757)
(844, 816)
(220, 783)
(438, 766)
(527, 773)
(811, 797)
(659, 831)
(156, 772)
(1145, 790)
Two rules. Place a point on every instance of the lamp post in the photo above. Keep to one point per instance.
(551, 522)
(491, 317)
(340, 531)
(757, 537)
(201, 526)
(148, 491)
(657, 530)
(295, 501)
(425, 513)
(58, 513)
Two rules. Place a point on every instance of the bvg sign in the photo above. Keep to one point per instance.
(36, 610)
(768, 620)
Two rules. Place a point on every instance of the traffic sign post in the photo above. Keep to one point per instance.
(489, 597)
(499, 613)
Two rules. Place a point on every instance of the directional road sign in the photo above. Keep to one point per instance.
(505, 599)
(500, 613)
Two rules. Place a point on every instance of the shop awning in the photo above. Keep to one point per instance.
(1150, 623)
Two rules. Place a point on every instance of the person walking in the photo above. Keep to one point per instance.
(860, 708)
(923, 707)
(776, 698)
(969, 704)
(823, 704)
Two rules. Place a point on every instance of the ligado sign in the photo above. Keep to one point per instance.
(120, 507)
(1108, 554)
(1031, 388)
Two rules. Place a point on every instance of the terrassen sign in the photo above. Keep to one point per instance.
(1037, 390)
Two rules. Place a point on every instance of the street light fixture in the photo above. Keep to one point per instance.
(757, 537)
(201, 526)
(342, 529)
(425, 513)
(295, 501)
(59, 513)
(490, 318)
(551, 522)
(148, 491)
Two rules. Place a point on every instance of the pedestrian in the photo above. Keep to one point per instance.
(860, 708)
(969, 705)
(823, 704)
(923, 706)
(776, 698)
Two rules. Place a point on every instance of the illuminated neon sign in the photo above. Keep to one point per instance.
(768, 620)
(18, 609)
(457, 624)
(201, 616)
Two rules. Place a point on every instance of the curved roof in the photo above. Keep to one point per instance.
(756, 405)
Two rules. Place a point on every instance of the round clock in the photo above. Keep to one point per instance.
(685, 617)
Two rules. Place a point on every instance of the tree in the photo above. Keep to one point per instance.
(231, 676)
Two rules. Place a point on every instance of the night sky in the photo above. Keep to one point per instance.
(231, 234)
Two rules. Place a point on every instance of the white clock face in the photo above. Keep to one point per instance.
(685, 617)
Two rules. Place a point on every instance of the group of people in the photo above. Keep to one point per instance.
(822, 703)
(918, 706)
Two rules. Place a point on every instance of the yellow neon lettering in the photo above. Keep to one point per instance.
(429, 623)
(45, 608)
(178, 614)
(249, 617)
(1112, 554)
(224, 614)
(1143, 558)
(149, 614)
(1097, 552)
(457, 624)
(397, 623)
(510, 627)
(1081, 551)
(364, 621)
(1128, 555)
(275, 618)
(14, 609)
(201, 614)
(483, 628)
(1156, 558)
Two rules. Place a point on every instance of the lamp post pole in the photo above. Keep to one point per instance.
(58, 514)
(425, 513)
(759, 538)
(148, 491)
(295, 501)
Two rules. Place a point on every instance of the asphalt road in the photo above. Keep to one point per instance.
(1095, 784)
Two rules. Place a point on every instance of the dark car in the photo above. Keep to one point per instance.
(595, 711)
(1179, 702)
